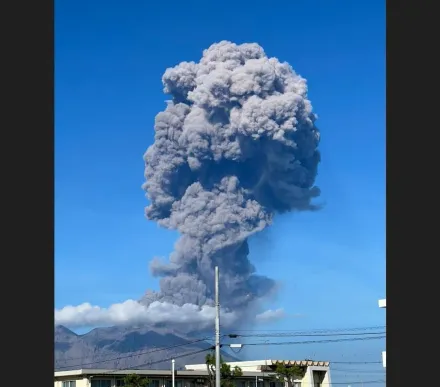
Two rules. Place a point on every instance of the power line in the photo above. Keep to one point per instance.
(150, 363)
(329, 361)
(133, 354)
(281, 332)
(366, 382)
(355, 370)
(313, 341)
(319, 330)
(234, 336)
(308, 334)
(356, 362)
(210, 349)
(291, 333)
(159, 361)
(140, 353)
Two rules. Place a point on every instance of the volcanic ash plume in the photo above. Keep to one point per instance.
(236, 145)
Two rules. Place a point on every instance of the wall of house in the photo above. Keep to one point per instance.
(311, 377)
(154, 382)
(327, 380)
(185, 382)
(307, 379)
(80, 382)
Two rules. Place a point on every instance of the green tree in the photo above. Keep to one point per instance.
(227, 374)
(134, 380)
(288, 373)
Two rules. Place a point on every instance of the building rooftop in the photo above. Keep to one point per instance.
(264, 364)
(106, 372)
(92, 372)
(249, 368)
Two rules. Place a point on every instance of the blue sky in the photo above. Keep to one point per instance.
(109, 59)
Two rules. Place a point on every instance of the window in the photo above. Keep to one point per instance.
(168, 383)
(101, 383)
(153, 383)
(184, 383)
(188, 383)
(120, 383)
(69, 383)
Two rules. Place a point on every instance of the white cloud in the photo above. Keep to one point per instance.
(270, 315)
(132, 312)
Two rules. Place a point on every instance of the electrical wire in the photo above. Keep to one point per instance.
(159, 361)
(319, 330)
(357, 371)
(356, 362)
(208, 349)
(132, 354)
(308, 334)
(358, 382)
(312, 341)
(327, 361)
(150, 363)
(222, 345)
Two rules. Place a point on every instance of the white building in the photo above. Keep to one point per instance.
(255, 374)
(383, 304)
(109, 378)
(317, 372)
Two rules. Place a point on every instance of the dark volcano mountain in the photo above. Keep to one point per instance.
(127, 347)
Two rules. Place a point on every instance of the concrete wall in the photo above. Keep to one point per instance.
(327, 380)
(309, 378)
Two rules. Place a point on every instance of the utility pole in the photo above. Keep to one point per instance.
(383, 304)
(217, 330)
(173, 383)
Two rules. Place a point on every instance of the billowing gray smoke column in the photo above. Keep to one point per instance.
(236, 145)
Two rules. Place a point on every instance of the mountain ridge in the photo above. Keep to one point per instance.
(142, 347)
